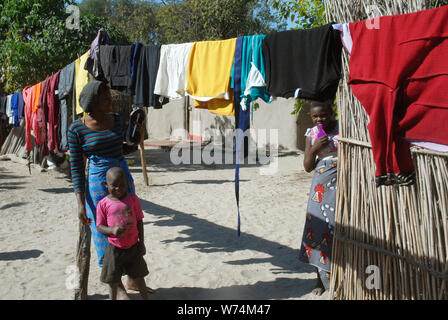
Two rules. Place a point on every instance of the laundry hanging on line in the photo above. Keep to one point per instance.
(208, 76)
(402, 86)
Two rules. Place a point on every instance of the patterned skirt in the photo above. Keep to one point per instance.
(96, 190)
(317, 236)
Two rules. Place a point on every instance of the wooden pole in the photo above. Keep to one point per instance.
(143, 160)
(83, 262)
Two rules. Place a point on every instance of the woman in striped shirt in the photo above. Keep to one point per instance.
(98, 137)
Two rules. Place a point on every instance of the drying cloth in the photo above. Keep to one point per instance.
(172, 74)
(15, 110)
(209, 75)
(9, 110)
(28, 112)
(303, 63)
(253, 84)
(401, 79)
(81, 79)
(65, 93)
(145, 80)
(117, 63)
(93, 64)
(239, 139)
(53, 111)
(39, 124)
(20, 106)
(43, 96)
(37, 89)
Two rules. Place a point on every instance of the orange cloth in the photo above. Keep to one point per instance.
(37, 88)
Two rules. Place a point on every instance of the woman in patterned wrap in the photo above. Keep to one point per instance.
(320, 156)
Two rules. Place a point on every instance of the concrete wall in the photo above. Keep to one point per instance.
(161, 123)
(171, 122)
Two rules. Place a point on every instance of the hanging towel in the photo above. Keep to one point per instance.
(28, 112)
(81, 79)
(253, 84)
(43, 96)
(65, 93)
(41, 117)
(209, 75)
(20, 106)
(9, 110)
(53, 111)
(401, 79)
(171, 77)
(303, 63)
(15, 110)
(39, 124)
(145, 80)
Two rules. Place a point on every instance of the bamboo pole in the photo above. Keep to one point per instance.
(143, 161)
(410, 222)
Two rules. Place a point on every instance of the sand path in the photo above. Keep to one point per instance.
(193, 251)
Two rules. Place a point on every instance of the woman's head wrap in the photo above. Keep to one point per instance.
(89, 96)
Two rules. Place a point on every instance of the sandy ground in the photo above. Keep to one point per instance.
(193, 251)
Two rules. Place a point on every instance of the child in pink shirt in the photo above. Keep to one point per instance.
(119, 216)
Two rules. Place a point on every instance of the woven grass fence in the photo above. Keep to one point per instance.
(400, 232)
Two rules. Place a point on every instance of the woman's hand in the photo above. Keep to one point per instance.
(319, 143)
(83, 216)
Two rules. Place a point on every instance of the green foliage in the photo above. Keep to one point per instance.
(304, 13)
(298, 106)
(35, 42)
(197, 20)
(136, 19)
(100, 8)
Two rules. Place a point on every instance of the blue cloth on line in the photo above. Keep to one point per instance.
(14, 109)
(236, 78)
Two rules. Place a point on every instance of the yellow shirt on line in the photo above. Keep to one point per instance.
(208, 75)
(81, 79)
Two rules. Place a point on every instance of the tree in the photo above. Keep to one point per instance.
(35, 41)
(134, 18)
(99, 8)
(304, 13)
(196, 20)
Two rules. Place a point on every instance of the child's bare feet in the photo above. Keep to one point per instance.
(118, 292)
(131, 285)
(132, 288)
(149, 290)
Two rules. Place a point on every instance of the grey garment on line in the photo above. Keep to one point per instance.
(65, 92)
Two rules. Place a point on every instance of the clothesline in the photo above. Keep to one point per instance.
(295, 63)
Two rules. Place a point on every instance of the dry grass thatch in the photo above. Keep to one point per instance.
(401, 230)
